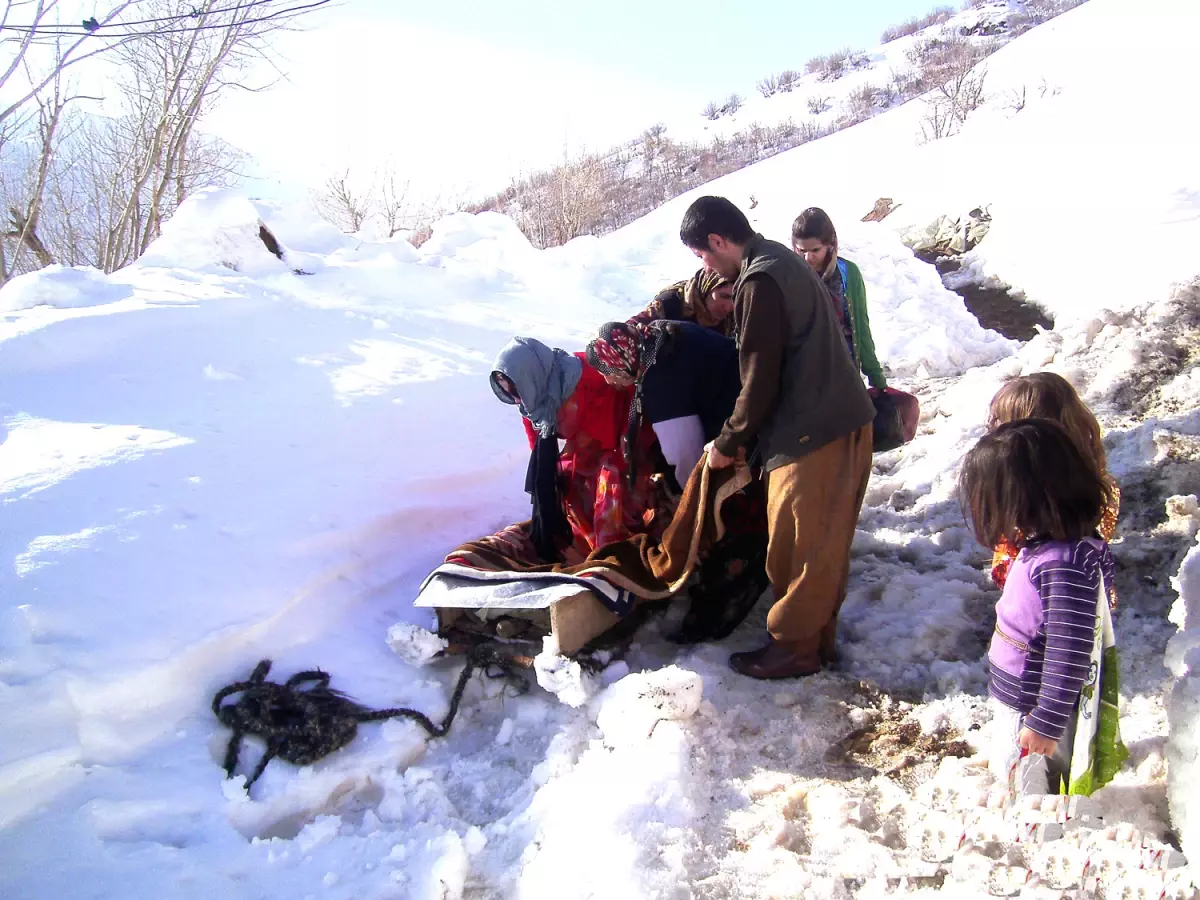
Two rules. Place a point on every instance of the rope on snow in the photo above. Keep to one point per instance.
(303, 724)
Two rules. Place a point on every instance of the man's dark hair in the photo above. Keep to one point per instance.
(1026, 481)
(814, 222)
(713, 215)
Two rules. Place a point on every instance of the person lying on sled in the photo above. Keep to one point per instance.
(594, 491)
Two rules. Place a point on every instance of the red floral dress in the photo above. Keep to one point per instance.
(601, 506)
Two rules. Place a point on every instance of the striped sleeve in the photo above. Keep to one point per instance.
(1068, 592)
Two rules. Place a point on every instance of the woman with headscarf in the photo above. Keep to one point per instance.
(583, 496)
(706, 299)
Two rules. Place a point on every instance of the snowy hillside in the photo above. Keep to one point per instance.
(207, 459)
(824, 101)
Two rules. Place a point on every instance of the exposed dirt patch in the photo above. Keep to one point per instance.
(891, 743)
(1162, 357)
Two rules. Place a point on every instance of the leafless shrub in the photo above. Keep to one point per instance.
(967, 93)
(835, 65)
(903, 84)
(598, 193)
(788, 79)
(818, 104)
(769, 86)
(888, 95)
(567, 201)
(861, 105)
(732, 104)
(420, 235)
(949, 105)
(1044, 10)
(912, 26)
(712, 112)
(1019, 23)
(943, 58)
(810, 131)
(937, 122)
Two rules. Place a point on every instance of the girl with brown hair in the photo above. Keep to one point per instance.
(1028, 484)
(1046, 395)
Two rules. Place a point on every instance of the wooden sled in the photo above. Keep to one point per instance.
(575, 621)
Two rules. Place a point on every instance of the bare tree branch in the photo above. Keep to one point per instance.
(338, 203)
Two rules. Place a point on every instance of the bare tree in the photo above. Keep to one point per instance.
(340, 204)
(24, 213)
(169, 79)
(103, 189)
(32, 25)
(395, 207)
(35, 54)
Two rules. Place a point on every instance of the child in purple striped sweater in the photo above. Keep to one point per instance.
(1027, 483)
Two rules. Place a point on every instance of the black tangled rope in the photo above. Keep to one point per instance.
(301, 725)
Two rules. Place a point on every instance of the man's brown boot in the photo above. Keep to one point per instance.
(777, 660)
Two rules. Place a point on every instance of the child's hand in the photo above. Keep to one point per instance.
(1036, 743)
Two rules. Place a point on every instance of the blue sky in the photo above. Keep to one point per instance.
(699, 46)
(459, 96)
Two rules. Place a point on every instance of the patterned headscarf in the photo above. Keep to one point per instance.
(626, 349)
(543, 376)
(697, 291)
(630, 350)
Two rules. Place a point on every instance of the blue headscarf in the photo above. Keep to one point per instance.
(543, 376)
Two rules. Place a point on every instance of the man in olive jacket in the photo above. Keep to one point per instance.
(803, 401)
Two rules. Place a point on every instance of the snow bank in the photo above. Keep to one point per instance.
(632, 709)
(619, 823)
(213, 228)
(62, 287)
(1183, 705)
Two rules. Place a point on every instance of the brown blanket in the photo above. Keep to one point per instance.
(645, 568)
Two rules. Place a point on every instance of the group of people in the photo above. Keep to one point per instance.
(759, 359)
(756, 359)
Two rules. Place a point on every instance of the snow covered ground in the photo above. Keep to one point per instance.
(207, 459)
